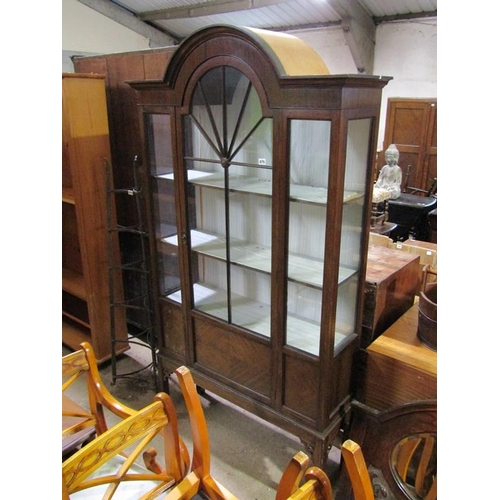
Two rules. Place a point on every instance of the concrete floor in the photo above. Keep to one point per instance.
(248, 454)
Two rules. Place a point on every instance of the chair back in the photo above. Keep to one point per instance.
(200, 479)
(300, 481)
(82, 420)
(357, 471)
(107, 467)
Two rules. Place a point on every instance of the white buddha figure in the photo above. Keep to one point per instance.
(390, 175)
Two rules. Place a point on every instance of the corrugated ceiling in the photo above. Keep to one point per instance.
(168, 22)
(271, 14)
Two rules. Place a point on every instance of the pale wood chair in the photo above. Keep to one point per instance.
(316, 486)
(200, 478)
(357, 471)
(117, 474)
(301, 482)
(79, 424)
(107, 467)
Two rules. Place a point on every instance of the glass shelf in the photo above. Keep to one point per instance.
(258, 257)
(254, 185)
(255, 316)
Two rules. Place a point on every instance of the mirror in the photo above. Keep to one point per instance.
(414, 466)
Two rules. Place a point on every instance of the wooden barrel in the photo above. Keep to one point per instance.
(427, 316)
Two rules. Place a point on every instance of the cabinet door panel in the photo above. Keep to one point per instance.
(300, 377)
(238, 358)
(173, 332)
(411, 127)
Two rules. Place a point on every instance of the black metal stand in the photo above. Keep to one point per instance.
(134, 271)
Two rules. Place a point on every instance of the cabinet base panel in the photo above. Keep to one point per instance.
(317, 442)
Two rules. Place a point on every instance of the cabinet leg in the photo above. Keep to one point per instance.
(318, 449)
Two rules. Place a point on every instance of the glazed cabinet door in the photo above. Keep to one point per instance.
(309, 158)
(227, 158)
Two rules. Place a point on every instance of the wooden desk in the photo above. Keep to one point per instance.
(392, 281)
(398, 368)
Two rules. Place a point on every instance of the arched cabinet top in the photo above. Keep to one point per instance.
(283, 63)
(289, 55)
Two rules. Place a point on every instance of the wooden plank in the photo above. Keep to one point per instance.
(73, 283)
(400, 342)
(73, 335)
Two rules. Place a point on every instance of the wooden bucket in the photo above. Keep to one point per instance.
(427, 311)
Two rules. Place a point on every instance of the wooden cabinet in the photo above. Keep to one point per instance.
(398, 367)
(125, 142)
(412, 126)
(259, 180)
(393, 279)
(85, 278)
(125, 136)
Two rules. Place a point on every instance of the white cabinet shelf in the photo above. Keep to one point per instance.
(257, 257)
(254, 185)
(254, 316)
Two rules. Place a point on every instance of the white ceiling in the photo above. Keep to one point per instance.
(168, 22)
(179, 18)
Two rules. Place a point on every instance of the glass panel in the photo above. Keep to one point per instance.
(356, 169)
(159, 143)
(309, 165)
(228, 156)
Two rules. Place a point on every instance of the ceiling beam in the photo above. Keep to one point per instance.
(405, 17)
(156, 37)
(209, 8)
(359, 32)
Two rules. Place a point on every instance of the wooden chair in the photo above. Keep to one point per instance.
(315, 482)
(316, 486)
(431, 191)
(200, 478)
(79, 425)
(107, 467)
(357, 470)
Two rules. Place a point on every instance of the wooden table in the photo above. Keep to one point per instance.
(398, 368)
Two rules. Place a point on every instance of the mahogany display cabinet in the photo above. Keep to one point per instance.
(259, 168)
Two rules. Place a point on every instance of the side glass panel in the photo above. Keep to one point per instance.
(309, 165)
(228, 156)
(159, 143)
(356, 169)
